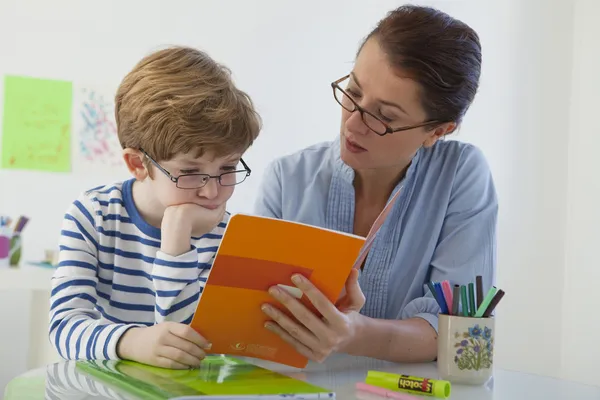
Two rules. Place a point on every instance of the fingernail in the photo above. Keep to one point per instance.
(265, 308)
(207, 346)
(274, 291)
(297, 279)
(269, 326)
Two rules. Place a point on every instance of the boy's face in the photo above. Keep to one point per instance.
(211, 195)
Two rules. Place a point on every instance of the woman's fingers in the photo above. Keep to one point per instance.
(300, 348)
(295, 330)
(354, 300)
(318, 299)
(314, 337)
(299, 311)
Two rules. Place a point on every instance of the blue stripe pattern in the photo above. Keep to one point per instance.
(112, 276)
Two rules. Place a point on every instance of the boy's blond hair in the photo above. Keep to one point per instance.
(179, 100)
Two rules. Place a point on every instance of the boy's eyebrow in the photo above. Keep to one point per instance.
(196, 162)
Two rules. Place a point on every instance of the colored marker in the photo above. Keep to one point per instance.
(472, 307)
(493, 303)
(436, 296)
(486, 302)
(433, 292)
(379, 391)
(440, 295)
(463, 299)
(455, 299)
(479, 284)
(447, 295)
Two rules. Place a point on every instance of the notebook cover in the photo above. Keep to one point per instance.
(255, 254)
(218, 377)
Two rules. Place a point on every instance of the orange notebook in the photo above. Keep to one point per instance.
(255, 254)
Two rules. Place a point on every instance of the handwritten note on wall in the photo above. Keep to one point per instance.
(36, 128)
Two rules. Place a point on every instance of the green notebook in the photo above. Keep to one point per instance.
(219, 377)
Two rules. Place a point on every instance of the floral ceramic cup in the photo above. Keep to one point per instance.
(465, 349)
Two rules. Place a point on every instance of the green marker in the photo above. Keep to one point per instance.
(463, 299)
(472, 306)
(486, 302)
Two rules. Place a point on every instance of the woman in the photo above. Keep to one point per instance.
(414, 77)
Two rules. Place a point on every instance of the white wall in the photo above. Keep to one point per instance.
(285, 55)
(581, 323)
(533, 209)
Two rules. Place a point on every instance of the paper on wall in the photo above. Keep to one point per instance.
(95, 128)
(36, 127)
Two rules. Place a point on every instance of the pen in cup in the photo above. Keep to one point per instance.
(456, 300)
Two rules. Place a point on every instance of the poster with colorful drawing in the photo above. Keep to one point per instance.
(95, 128)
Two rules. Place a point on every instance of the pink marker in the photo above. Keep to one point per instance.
(447, 289)
(390, 394)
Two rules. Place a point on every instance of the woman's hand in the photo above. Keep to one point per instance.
(316, 338)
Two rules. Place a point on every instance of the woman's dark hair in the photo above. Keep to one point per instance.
(441, 53)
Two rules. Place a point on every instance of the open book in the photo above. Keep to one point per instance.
(218, 377)
(255, 254)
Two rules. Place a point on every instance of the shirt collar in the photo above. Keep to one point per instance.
(344, 172)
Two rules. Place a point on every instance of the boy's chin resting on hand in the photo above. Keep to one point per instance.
(181, 222)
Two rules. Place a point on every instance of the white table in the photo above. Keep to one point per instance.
(340, 373)
(24, 306)
(25, 277)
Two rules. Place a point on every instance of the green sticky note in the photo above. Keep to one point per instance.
(36, 128)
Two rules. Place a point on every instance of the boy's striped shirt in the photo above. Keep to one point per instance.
(112, 275)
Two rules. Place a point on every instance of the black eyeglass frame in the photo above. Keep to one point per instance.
(175, 179)
(336, 85)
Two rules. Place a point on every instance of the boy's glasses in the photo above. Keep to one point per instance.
(370, 120)
(196, 181)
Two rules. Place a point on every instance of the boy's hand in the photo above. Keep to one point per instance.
(168, 345)
(182, 221)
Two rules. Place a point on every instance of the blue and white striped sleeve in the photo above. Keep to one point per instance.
(76, 329)
(177, 285)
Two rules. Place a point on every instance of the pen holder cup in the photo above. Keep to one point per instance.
(15, 250)
(465, 349)
(4, 251)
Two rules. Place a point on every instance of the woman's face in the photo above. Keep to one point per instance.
(394, 100)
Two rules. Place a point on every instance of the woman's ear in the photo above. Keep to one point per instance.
(438, 133)
(134, 160)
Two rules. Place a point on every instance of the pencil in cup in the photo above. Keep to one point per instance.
(438, 295)
(4, 222)
(466, 300)
(20, 225)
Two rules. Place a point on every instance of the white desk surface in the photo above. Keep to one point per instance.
(25, 277)
(340, 374)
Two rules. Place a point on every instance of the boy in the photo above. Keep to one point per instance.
(134, 256)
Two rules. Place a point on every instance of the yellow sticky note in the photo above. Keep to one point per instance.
(36, 128)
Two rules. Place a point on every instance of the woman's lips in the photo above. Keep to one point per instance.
(353, 147)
